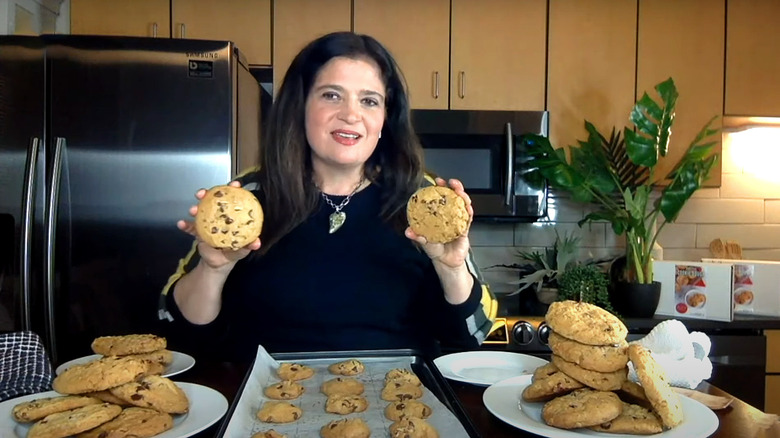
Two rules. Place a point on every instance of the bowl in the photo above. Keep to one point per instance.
(696, 298)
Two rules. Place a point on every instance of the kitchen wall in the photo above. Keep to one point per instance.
(745, 208)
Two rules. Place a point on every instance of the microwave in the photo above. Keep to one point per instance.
(483, 150)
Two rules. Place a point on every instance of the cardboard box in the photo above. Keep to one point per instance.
(695, 289)
(755, 285)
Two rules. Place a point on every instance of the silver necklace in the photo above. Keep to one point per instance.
(338, 217)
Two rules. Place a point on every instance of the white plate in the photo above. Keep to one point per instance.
(504, 400)
(486, 367)
(181, 363)
(207, 406)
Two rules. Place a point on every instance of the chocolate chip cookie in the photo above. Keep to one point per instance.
(72, 422)
(351, 367)
(99, 375)
(399, 391)
(345, 404)
(284, 390)
(407, 408)
(34, 410)
(229, 217)
(279, 412)
(633, 420)
(128, 344)
(402, 375)
(585, 323)
(342, 386)
(438, 214)
(602, 381)
(550, 384)
(412, 427)
(155, 392)
(294, 371)
(582, 408)
(666, 402)
(602, 358)
(346, 427)
(132, 423)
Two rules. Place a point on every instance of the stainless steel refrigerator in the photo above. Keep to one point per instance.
(103, 143)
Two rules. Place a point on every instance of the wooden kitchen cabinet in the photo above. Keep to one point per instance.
(418, 36)
(498, 54)
(752, 61)
(245, 22)
(297, 22)
(772, 389)
(142, 18)
(591, 66)
(684, 40)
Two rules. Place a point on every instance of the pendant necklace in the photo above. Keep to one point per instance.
(338, 217)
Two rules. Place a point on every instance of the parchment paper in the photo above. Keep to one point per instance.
(244, 422)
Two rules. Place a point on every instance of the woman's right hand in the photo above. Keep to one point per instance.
(215, 258)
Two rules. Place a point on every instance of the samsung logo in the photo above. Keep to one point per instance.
(203, 55)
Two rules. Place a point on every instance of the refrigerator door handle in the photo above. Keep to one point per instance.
(27, 230)
(51, 226)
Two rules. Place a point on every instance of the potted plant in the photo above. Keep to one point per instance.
(541, 270)
(619, 176)
(585, 283)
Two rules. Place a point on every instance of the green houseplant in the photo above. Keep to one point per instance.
(586, 283)
(618, 175)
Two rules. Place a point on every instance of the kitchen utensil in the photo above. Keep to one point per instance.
(718, 249)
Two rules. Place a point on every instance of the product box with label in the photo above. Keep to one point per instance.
(694, 289)
(755, 285)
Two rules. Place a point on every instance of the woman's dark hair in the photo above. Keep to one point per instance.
(285, 174)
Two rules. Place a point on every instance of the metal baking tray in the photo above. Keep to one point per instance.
(429, 375)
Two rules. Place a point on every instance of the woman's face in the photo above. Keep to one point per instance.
(345, 111)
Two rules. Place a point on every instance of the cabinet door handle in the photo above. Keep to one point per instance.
(154, 30)
(436, 85)
(462, 90)
(182, 31)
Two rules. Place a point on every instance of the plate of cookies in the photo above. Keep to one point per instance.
(585, 389)
(146, 347)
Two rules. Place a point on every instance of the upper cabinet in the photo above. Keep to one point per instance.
(245, 22)
(141, 18)
(498, 54)
(418, 36)
(695, 65)
(752, 61)
(591, 66)
(297, 22)
(488, 56)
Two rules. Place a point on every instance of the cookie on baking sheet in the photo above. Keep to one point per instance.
(582, 408)
(132, 423)
(351, 367)
(594, 379)
(294, 371)
(602, 358)
(74, 421)
(34, 410)
(345, 404)
(279, 412)
(402, 375)
(633, 420)
(128, 344)
(229, 217)
(269, 434)
(550, 385)
(666, 402)
(154, 392)
(99, 375)
(412, 427)
(438, 214)
(284, 390)
(407, 408)
(585, 323)
(398, 390)
(342, 386)
(163, 356)
(346, 427)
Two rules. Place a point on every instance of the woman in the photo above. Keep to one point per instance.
(338, 141)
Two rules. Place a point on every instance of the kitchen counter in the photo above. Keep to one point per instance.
(738, 420)
(740, 323)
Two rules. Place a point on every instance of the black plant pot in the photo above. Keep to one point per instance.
(635, 300)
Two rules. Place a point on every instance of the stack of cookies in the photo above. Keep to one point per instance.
(345, 396)
(118, 395)
(585, 384)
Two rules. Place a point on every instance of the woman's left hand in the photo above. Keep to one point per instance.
(452, 254)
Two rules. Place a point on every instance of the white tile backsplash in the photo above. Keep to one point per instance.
(745, 208)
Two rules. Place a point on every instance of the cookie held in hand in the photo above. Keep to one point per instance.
(229, 217)
(438, 214)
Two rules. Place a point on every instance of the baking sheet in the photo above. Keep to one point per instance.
(243, 421)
